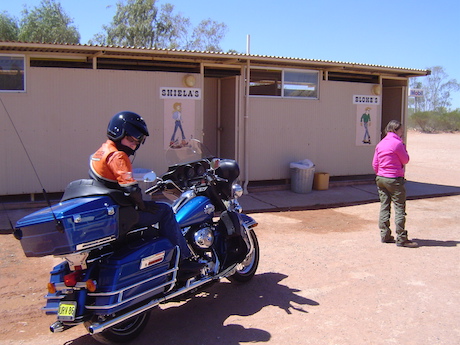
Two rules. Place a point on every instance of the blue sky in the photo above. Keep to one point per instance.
(401, 33)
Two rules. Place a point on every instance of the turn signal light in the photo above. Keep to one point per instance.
(51, 288)
(91, 285)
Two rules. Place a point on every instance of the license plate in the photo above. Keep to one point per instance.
(66, 311)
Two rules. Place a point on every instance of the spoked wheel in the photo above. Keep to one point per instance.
(124, 331)
(247, 269)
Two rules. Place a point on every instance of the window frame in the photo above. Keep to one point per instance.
(282, 83)
(23, 70)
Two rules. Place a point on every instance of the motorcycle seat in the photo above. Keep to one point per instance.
(89, 187)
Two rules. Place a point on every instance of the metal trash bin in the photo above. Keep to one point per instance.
(302, 174)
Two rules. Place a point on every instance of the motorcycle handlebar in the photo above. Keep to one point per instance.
(161, 185)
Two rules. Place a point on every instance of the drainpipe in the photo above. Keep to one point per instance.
(246, 119)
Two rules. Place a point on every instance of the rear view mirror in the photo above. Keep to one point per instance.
(215, 163)
(150, 177)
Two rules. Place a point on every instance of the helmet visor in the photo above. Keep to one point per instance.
(135, 132)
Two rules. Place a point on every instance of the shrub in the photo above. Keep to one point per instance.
(430, 121)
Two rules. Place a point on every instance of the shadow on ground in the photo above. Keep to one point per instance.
(204, 319)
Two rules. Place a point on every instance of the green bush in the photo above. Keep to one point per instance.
(430, 121)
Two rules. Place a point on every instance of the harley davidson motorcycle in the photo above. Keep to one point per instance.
(114, 273)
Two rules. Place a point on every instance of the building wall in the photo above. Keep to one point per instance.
(62, 119)
(282, 131)
(63, 116)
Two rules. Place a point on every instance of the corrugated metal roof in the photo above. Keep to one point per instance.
(194, 55)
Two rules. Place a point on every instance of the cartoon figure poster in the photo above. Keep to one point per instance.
(179, 122)
(366, 120)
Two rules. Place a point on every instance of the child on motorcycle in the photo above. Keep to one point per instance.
(110, 165)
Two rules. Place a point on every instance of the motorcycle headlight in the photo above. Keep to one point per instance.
(237, 191)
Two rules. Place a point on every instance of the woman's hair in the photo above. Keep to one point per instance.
(393, 126)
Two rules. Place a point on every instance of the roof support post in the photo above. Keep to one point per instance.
(246, 118)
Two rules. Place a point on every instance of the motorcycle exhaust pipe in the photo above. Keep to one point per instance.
(99, 327)
(57, 327)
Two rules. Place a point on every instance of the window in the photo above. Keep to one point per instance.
(12, 73)
(284, 83)
(300, 84)
(265, 82)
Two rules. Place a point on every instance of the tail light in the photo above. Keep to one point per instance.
(71, 279)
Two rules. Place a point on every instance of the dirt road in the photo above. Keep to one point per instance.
(324, 278)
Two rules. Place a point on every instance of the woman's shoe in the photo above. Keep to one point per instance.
(407, 244)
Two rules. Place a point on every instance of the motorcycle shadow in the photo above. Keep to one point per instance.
(202, 318)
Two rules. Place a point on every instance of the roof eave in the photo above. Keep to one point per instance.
(94, 51)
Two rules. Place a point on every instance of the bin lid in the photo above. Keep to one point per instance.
(304, 164)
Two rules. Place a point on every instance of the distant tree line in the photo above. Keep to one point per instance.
(432, 112)
(137, 23)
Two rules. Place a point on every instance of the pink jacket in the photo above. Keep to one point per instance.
(390, 156)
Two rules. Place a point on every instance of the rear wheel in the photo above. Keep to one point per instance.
(124, 331)
(247, 269)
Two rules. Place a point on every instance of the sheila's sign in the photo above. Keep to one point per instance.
(180, 93)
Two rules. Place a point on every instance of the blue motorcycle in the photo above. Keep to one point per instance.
(114, 273)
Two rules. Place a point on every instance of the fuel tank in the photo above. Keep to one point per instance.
(195, 211)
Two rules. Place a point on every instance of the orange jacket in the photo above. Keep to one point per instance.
(112, 165)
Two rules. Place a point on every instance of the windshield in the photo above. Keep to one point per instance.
(193, 151)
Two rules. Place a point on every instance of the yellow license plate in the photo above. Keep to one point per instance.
(66, 311)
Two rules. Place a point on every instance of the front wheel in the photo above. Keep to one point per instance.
(124, 331)
(247, 269)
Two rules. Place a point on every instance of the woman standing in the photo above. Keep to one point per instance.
(389, 160)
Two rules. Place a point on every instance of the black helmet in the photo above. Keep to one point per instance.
(127, 123)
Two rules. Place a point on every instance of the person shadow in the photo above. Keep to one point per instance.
(212, 316)
(435, 243)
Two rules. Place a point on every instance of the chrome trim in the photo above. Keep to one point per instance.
(57, 327)
(62, 287)
(120, 292)
(77, 259)
(227, 272)
(237, 191)
(96, 243)
(47, 309)
(99, 327)
(249, 238)
(191, 285)
(104, 307)
(176, 264)
(48, 296)
(182, 200)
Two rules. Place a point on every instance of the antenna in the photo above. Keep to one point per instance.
(59, 225)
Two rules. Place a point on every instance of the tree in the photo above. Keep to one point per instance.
(207, 36)
(9, 28)
(134, 24)
(48, 23)
(437, 90)
(177, 35)
(139, 23)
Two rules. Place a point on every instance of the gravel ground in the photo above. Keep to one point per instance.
(324, 278)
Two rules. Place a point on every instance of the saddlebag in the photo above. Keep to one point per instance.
(133, 274)
(69, 226)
